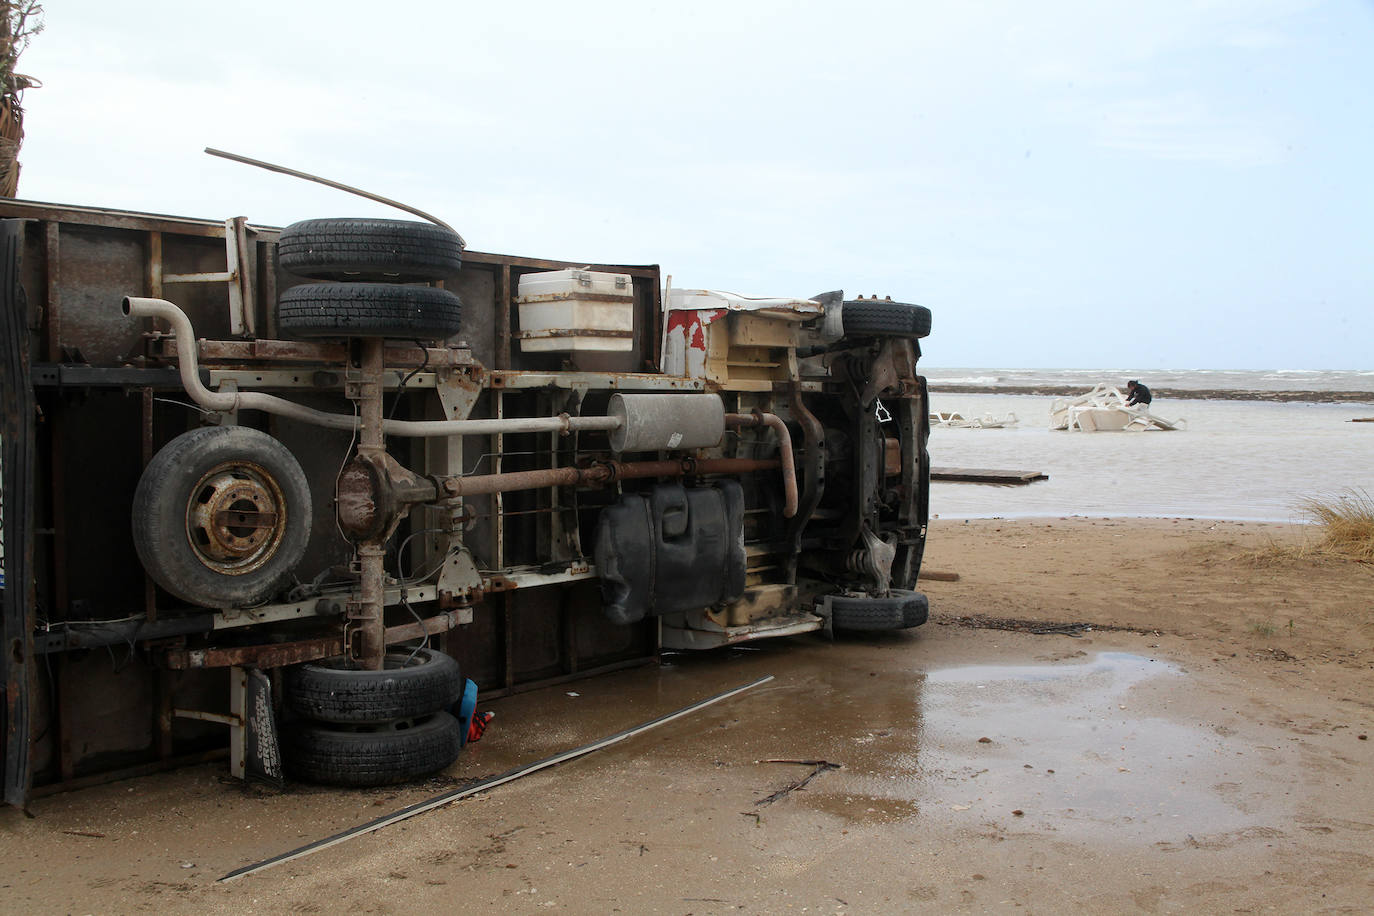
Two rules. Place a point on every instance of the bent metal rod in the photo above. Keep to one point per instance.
(486, 784)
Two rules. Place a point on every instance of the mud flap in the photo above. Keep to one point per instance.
(261, 748)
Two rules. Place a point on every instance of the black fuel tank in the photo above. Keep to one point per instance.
(671, 549)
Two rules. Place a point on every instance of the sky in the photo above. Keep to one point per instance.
(1068, 183)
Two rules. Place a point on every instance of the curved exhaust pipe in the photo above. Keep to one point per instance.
(789, 470)
(223, 401)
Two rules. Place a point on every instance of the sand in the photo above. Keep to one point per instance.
(1189, 733)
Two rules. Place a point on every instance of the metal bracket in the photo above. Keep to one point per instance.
(241, 319)
(459, 577)
(228, 417)
(893, 370)
(253, 746)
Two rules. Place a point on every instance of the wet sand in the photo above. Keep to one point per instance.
(1195, 746)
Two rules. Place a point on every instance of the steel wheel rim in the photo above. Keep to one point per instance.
(235, 518)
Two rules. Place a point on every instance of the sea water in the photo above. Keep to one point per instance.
(1195, 379)
(1247, 460)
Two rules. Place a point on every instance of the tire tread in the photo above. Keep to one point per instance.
(348, 696)
(318, 753)
(882, 318)
(900, 610)
(363, 249)
(369, 310)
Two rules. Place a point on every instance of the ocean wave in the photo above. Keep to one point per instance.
(1319, 380)
(971, 379)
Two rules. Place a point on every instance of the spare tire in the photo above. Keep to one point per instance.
(410, 685)
(884, 318)
(901, 609)
(369, 310)
(369, 249)
(377, 755)
(221, 516)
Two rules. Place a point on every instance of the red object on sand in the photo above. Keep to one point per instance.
(480, 720)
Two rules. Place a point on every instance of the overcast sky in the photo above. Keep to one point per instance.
(1067, 183)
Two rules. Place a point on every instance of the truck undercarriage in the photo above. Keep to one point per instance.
(316, 461)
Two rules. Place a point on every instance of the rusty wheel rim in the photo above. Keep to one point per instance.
(235, 518)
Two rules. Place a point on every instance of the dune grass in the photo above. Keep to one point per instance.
(1342, 528)
(1345, 524)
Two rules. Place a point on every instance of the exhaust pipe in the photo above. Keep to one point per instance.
(223, 401)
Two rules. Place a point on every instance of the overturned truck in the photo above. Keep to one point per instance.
(342, 468)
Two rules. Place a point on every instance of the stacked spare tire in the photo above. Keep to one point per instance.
(356, 727)
(352, 726)
(367, 263)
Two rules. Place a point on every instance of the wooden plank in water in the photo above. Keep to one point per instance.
(983, 475)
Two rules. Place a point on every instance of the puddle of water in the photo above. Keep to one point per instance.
(1065, 748)
(1061, 748)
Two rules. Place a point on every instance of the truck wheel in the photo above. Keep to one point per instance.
(916, 611)
(883, 318)
(221, 516)
(369, 310)
(369, 249)
(900, 610)
(376, 755)
(407, 687)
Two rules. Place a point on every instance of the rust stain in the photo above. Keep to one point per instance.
(357, 498)
(892, 457)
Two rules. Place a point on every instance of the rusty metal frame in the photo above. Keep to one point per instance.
(113, 219)
(309, 353)
(503, 308)
(207, 228)
(277, 655)
(16, 612)
(160, 765)
(470, 258)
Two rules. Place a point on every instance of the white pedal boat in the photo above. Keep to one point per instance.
(959, 421)
(1104, 409)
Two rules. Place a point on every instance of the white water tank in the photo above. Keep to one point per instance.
(575, 310)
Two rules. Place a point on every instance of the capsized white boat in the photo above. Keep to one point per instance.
(1104, 409)
(959, 421)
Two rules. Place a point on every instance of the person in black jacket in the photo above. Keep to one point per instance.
(1137, 393)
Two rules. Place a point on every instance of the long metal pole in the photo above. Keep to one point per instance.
(490, 783)
(294, 173)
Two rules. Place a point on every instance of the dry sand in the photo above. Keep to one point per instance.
(1211, 756)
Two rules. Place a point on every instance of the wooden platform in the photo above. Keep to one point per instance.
(983, 475)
